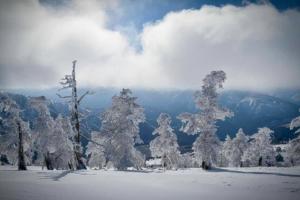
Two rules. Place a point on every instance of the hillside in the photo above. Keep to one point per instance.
(252, 110)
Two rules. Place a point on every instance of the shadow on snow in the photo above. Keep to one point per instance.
(253, 172)
(58, 176)
(54, 176)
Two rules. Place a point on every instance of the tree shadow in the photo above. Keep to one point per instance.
(83, 172)
(133, 171)
(254, 172)
(54, 176)
(61, 175)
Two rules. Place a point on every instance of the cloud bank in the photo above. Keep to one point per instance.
(256, 45)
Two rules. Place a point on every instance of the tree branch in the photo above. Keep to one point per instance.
(86, 93)
(90, 140)
(63, 96)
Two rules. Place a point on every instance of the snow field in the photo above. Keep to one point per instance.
(190, 184)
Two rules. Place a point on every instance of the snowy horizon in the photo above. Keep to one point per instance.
(142, 44)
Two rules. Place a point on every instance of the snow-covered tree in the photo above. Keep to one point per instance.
(233, 149)
(52, 137)
(15, 140)
(294, 151)
(95, 151)
(207, 145)
(165, 144)
(63, 132)
(295, 123)
(120, 131)
(260, 152)
(187, 160)
(294, 145)
(226, 153)
(69, 81)
(239, 145)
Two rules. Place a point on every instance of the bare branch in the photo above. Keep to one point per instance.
(63, 96)
(66, 87)
(90, 140)
(86, 93)
(65, 83)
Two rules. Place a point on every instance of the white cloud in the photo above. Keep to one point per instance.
(257, 46)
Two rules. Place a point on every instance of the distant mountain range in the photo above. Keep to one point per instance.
(252, 110)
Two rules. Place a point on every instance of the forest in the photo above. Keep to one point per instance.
(55, 143)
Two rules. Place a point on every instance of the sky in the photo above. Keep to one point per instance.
(148, 44)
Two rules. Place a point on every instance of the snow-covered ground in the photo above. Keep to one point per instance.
(227, 183)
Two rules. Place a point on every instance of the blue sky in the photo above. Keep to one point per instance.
(143, 11)
(167, 44)
(139, 12)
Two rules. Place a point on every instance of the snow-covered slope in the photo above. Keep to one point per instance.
(190, 184)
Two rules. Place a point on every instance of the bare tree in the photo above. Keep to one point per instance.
(69, 81)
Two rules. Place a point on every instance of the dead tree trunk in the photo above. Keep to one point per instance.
(70, 82)
(21, 156)
(75, 121)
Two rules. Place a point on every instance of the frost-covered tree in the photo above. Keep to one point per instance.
(69, 81)
(95, 151)
(207, 145)
(294, 151)
(295, 123)
(120, 131)
(260, 152)
(187, 160)
(63, 132)
(165, 144)
(233, 149)
(15, 140)
(226, 152)
(52, 137)
(239, 145)
(294, 145)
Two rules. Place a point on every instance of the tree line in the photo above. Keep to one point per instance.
(55, 143)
